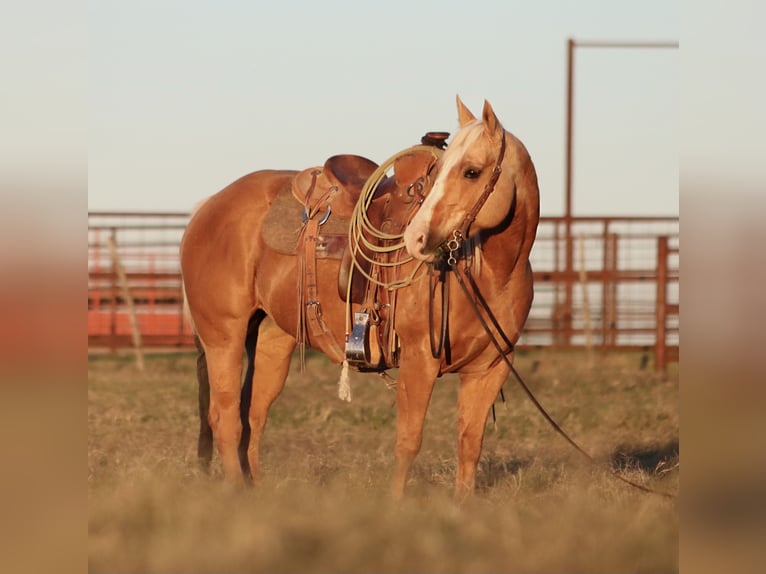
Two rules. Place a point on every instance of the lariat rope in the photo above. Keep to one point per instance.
(363, 234)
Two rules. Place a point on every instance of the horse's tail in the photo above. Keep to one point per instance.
(205, 439)
(186, 310)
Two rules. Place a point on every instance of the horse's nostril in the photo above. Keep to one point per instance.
(415, 239)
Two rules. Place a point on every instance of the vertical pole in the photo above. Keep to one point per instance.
(605, 286)
(585, 300)
(113, 292)
(660, 358)
(95, 289)
(96, 269)
(152, 284)
(123, 279)
(556, 326)
(569, 269)
(570, 105)
(611, 309)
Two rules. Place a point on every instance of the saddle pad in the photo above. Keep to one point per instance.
(283, 224)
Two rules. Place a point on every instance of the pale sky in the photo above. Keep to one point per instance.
(186, 96)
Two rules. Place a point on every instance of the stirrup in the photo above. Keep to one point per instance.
(362, 348)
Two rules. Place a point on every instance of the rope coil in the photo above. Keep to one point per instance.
(364, 237)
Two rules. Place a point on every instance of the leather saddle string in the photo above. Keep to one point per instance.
(309, 213)
(304, 255)
(482, 302)
(310, 322)
(317, 328)
(301, 334)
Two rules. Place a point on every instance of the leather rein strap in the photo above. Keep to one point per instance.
(478, 303)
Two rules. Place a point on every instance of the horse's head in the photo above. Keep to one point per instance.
(474, 184)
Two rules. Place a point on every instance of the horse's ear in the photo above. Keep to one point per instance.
(491, 124)
(464, 115)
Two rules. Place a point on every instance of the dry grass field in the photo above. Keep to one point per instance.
(323, 504)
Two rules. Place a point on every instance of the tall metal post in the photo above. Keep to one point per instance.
(660, 357)
(569, 250)
(568, 276)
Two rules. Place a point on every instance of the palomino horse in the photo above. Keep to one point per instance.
(477, 220)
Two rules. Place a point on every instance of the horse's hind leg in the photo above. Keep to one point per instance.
(273, 351)
(247, 390)
(477, 393)
(205, 440)
(224, 362)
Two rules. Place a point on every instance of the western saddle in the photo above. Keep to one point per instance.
(311, 218)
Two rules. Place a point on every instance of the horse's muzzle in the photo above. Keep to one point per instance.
(415, 241)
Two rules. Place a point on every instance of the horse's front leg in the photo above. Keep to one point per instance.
(413, 393)
(477, 393)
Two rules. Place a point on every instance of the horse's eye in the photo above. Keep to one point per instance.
(471, 173)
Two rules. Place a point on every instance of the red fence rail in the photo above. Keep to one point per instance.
(600, 282)
(147, 244)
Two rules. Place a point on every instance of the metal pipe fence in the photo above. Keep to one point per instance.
(621, 291)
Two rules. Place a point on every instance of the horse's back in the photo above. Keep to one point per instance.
(221, 243)
(241, 204)
(247, 196)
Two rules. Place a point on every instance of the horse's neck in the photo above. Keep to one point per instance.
(504, 250)
(501, 252)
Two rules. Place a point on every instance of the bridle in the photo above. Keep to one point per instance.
(461, 233)
(452, 247)
(449, 262)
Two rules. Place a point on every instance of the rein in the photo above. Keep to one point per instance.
(442, 343)
(478, 303)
